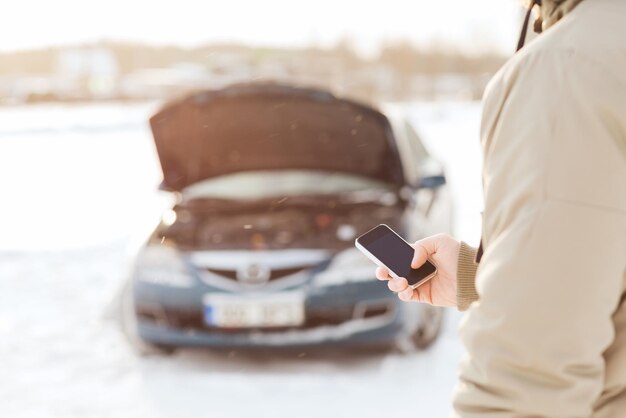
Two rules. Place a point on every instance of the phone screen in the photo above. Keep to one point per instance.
(394, 253)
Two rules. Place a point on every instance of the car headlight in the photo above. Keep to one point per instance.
(348, 266)
(163, 265)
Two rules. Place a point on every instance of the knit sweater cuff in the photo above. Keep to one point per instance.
(466, 277)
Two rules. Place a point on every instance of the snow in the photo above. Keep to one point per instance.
(78, 183)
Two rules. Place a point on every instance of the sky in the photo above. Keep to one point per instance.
(474, 26)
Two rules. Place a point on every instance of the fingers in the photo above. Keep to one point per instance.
(424, 248)
(419, 257)
(382, 273)
(407, 294)
(401, 287)
(397, 285)
(419, 294)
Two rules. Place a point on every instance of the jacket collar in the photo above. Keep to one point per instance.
(553, 10)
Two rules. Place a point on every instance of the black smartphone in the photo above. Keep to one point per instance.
(386, 248)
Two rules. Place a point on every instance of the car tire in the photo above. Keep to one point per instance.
(128, 323)
(146, 349)
(431, 321)
(423, 333)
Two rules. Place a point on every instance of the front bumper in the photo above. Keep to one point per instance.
(357, 331)
(357, 313)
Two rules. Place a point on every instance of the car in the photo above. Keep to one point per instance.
(272, 184)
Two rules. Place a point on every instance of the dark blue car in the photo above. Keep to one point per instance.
(272, 185)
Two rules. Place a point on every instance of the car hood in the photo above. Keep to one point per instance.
(255, 127)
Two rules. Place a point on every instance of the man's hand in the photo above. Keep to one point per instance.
(443, 251)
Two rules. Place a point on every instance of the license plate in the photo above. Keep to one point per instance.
(237, 311)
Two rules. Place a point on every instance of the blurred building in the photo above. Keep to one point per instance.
(86, 73)
(135, 72)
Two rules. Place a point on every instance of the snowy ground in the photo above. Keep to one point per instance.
(76, 182)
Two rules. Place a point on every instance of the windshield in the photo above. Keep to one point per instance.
(265, 184)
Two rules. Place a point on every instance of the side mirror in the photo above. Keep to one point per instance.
(432, 182)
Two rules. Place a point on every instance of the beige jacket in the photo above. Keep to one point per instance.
(547, 335)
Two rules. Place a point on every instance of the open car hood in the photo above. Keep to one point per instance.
(270, 127)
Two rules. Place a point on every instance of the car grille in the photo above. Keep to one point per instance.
(274, 274)
(192, 320)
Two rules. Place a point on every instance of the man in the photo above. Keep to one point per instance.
(546, 330)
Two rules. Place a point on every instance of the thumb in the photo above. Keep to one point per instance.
(424, 248)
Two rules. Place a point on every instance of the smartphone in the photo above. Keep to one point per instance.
(387, 249)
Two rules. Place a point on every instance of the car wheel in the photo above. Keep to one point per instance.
(152, 349)
(129, 328)
(423, 332)
(429, 327)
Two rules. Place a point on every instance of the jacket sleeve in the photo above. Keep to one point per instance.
(554, 230)
(466, 277)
